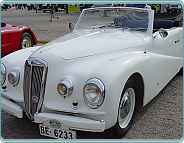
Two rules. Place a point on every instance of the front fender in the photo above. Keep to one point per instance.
(24, 28)
(156, 71)
(115, 74)
(12, 61)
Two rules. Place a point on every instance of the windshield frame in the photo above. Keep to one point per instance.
(150, 16)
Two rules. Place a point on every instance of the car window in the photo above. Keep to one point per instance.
(3, 24)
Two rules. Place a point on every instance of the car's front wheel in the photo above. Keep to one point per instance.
(126, 110)
(26, 41)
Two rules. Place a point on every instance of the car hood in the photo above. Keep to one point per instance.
(78, 44)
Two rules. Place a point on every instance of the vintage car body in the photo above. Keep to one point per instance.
(93, 78)
(14, 38)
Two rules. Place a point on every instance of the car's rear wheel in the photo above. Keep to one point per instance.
(26, 41)
(126, 110)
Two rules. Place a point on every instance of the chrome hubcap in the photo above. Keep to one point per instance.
(26, 42)
(126, 107)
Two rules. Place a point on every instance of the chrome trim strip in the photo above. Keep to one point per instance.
(74, 112)
(29, 91)
(87, 129)
(3, 71)
(42, 89)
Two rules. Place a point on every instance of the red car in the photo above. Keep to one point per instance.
(14, 38)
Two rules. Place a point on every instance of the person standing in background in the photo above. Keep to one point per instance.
(16, 6)
(76, 8)
(163, 8)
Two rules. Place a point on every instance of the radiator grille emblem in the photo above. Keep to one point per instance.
(35, 99)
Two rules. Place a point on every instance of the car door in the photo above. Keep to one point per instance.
(169, 55)
(5, 41)
(179, 42)
(171, 45)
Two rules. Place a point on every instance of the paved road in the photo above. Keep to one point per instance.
(39, 22)
(162, 118)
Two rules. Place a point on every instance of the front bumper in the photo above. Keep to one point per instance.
(74, 122)
(11, 107)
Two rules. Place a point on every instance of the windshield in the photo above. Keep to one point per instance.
(131, 19)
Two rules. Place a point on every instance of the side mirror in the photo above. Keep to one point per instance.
(71, 26)
(163, 33)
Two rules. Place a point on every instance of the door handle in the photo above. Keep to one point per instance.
(177, 41)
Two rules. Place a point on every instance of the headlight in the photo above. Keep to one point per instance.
(13, 77)
(65, 87)
(3, 74)
(94, 93)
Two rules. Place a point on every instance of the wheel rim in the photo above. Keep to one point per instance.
(26, 42)
(126, 108)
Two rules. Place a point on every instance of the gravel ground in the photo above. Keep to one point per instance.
(162, 118)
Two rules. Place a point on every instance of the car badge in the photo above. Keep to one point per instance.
(54, 123)
(32, 62)
(35, 99)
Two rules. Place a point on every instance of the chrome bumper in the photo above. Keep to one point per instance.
(75, 123)
(11, 107)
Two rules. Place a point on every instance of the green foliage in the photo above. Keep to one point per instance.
(43, 42)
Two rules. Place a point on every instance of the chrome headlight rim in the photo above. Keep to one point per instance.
(3, 74)
(68, 84)
(100, 85)
(15, 73)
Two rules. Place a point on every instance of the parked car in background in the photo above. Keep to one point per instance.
(30, 6)
(175, 8)
(113, 63)
(16, 37)
(135, 5)
(5, 7)
(176, 17)
(47, 7)
(102, 5)
(83, 6)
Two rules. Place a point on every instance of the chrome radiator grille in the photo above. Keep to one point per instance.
(34, 85)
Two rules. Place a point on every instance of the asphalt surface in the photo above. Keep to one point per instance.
(162, 118)
(39, 22)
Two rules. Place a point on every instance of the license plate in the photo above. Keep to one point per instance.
(56, 132)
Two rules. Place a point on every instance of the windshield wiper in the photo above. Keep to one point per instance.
(99, 26)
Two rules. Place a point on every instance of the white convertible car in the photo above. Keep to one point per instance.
(95, 78)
